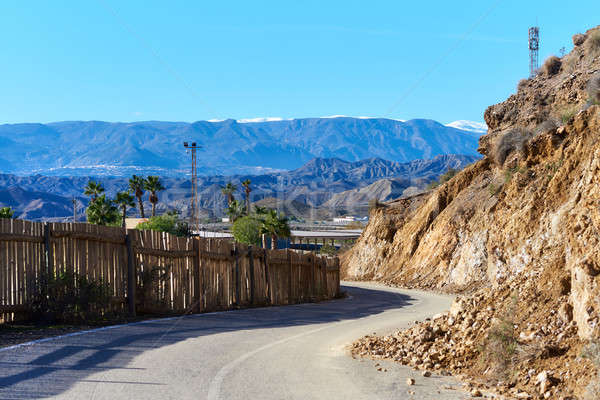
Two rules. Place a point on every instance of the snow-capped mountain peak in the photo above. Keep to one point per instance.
(471, 126)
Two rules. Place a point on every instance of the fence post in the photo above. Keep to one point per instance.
(313, 276)
(237, 275)
(197, 272)
(324, 275)
(130, 275)
(268, 283)
(48, 250)
(289, 262)
(251, 266)
(337, 281)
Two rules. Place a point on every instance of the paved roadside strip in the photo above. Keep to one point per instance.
(290, 352)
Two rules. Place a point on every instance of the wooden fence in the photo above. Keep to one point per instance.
(156, 272)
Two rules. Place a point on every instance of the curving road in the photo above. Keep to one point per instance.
(293, 352)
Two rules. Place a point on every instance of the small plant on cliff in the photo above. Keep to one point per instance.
(522, 84)
(494, 189)
(592, 352)
(445, 177)
(499, 350)
(567, 114)
(509, 173)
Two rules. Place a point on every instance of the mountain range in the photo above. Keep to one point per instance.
(84, 148)
(332, 185)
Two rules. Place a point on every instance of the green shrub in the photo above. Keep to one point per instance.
(247, 230)
(552, 65)
(328, 250)
(169, 223)
(70, 298)
(151, 289)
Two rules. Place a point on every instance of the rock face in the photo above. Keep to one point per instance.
(519, 228)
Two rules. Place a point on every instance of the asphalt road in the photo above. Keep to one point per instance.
(293, 352)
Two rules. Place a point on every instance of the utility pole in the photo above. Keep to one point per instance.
(194, 214)
(74, 201)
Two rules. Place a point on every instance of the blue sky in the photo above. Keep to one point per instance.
(192, 60)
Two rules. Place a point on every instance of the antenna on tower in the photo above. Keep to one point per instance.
(534, 48)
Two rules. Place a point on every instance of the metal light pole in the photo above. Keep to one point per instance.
(74, 201)
(194, 217)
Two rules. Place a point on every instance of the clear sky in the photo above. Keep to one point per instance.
(191, 60)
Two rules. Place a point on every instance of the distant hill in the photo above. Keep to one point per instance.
(230, 147)
(311, 186)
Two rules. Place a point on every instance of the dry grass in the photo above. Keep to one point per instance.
(551, 66)
(578, 39)
(593, 42)
(570, 62)
(375, 204)
(593, 89)
(546, 126)
(509, 142)
(522, 84)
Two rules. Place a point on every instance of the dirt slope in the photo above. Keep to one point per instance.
(517, 232)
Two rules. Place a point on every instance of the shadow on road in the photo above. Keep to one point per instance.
(50, 368)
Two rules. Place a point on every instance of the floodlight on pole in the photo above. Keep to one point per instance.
(194, 217)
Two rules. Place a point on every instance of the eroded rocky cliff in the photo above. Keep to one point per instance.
(516, 233)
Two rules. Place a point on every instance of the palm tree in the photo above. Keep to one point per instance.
(137, 185)
(102, 211)
(228, 191)
(274, 226)
(258, 210)
(124, 200)
(93, 189)
(153, 185)
(247, 190)
(235, 211)
(6, 212)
